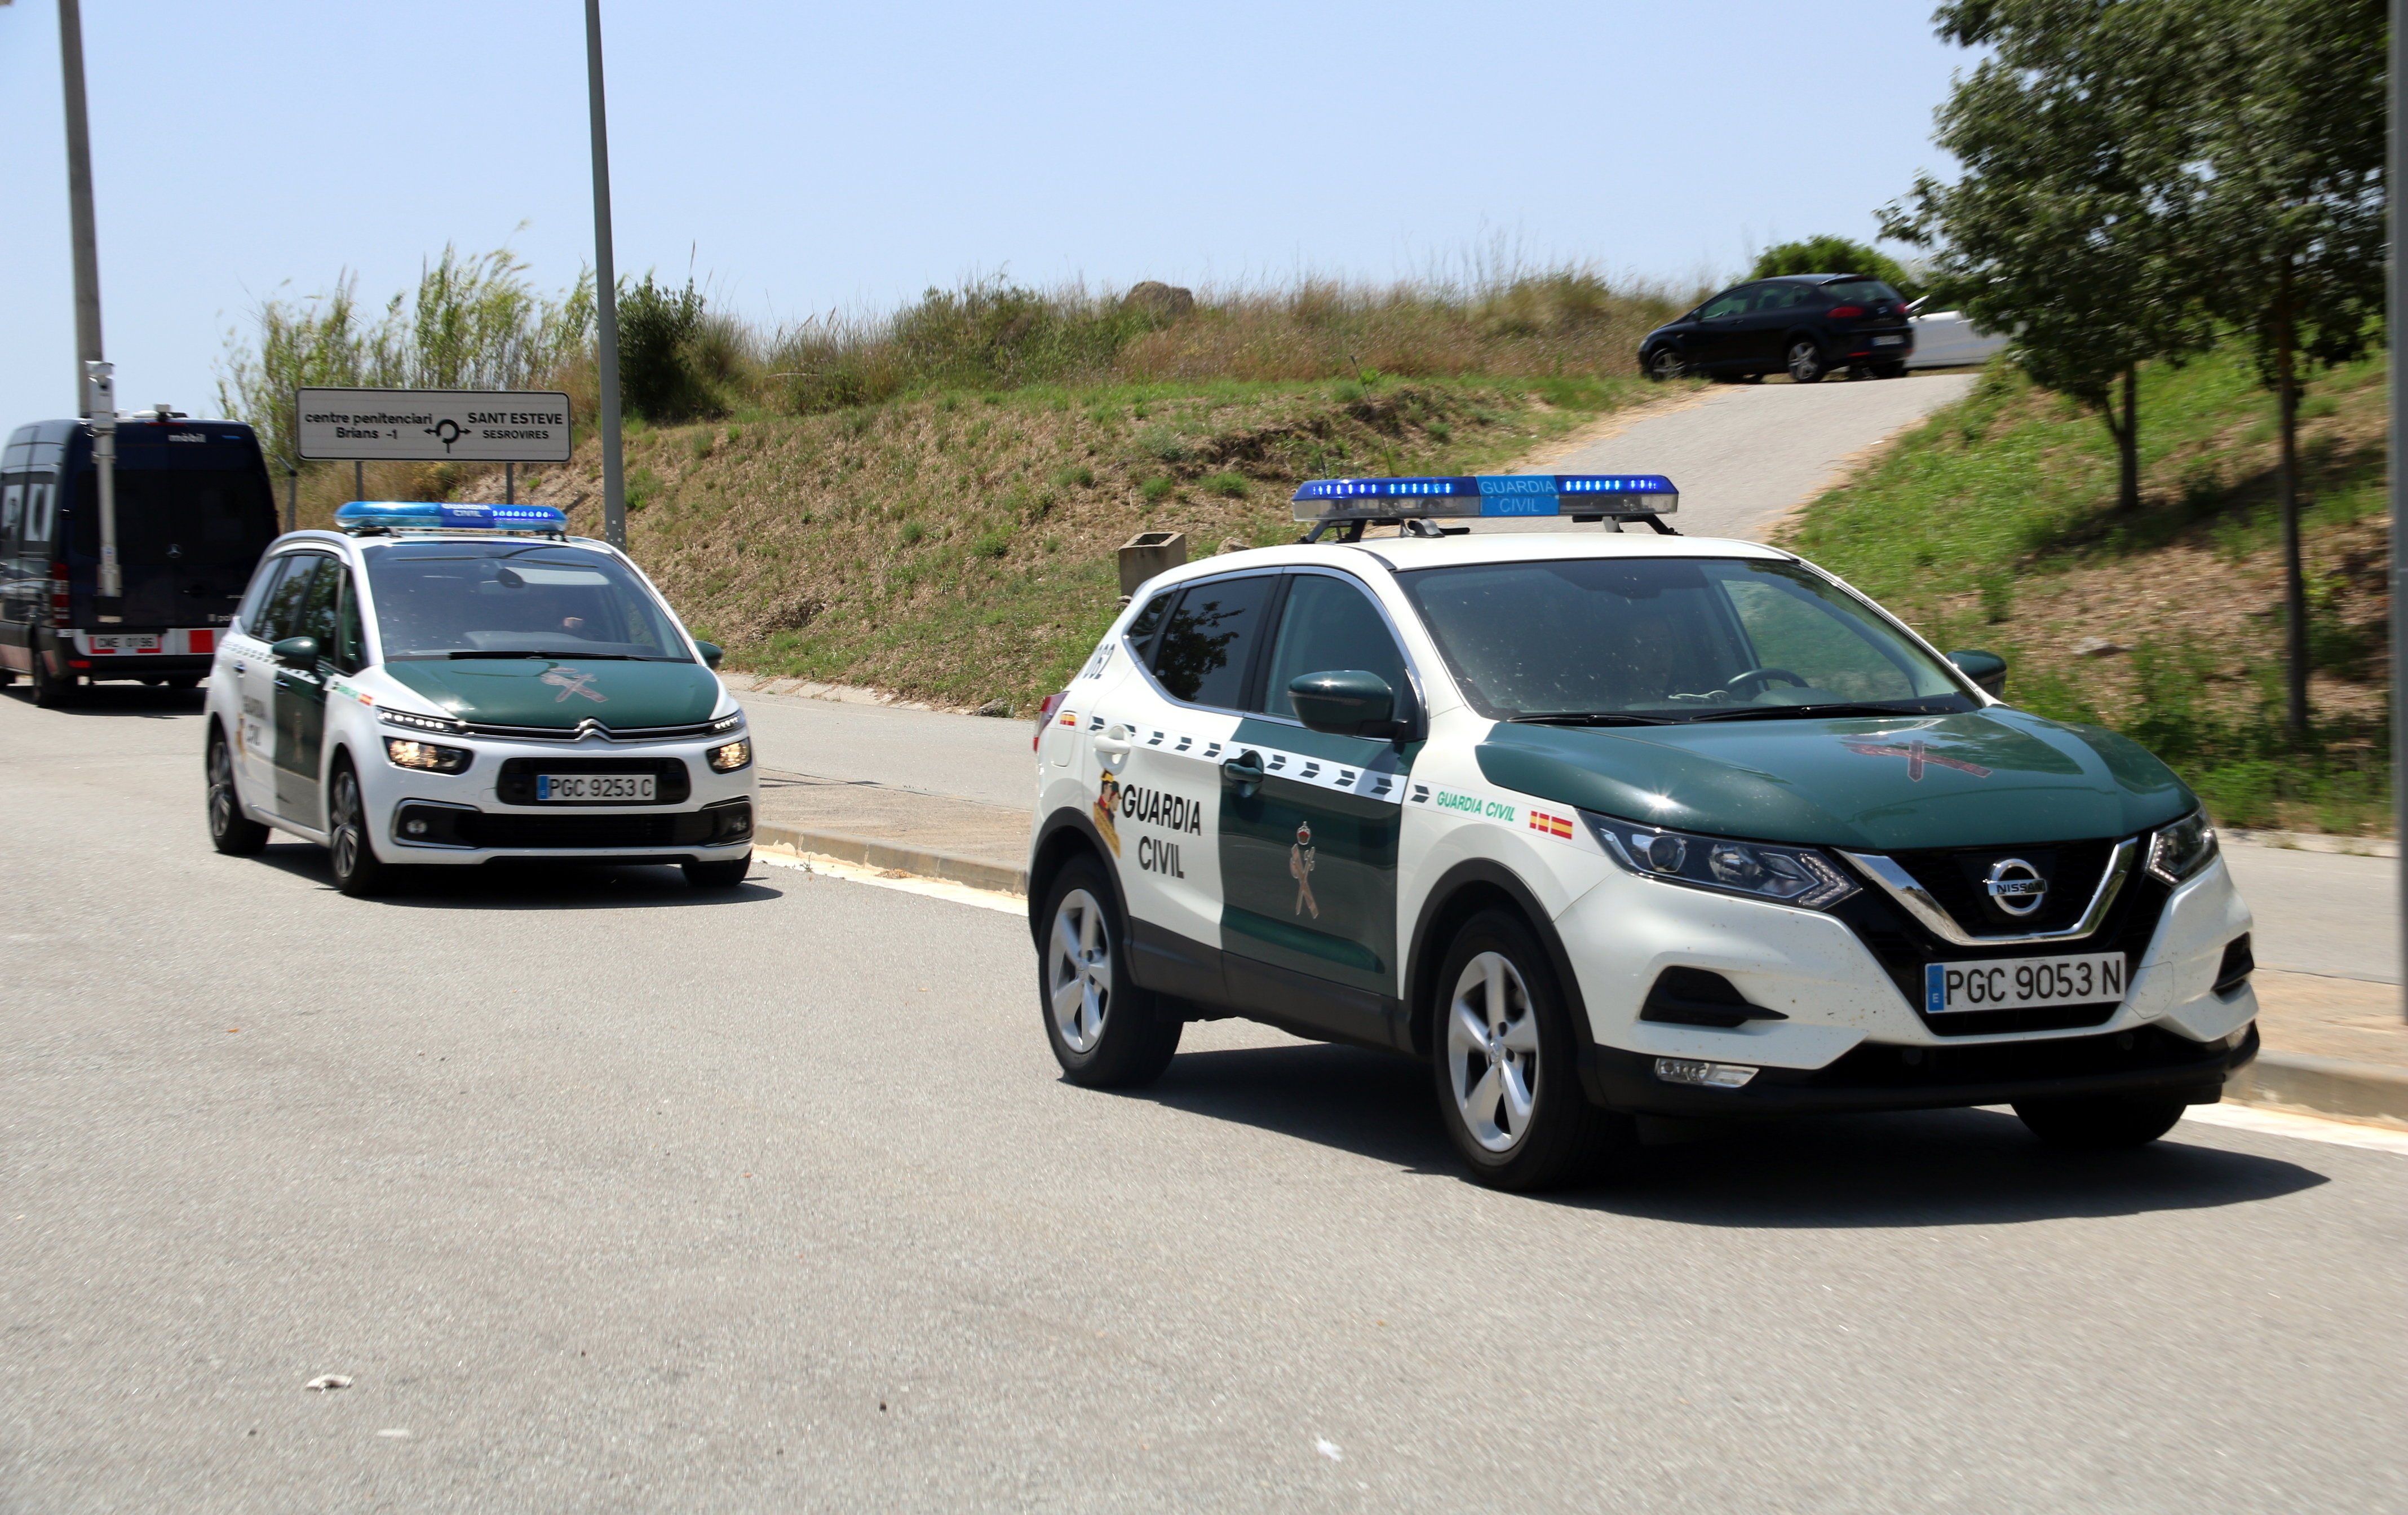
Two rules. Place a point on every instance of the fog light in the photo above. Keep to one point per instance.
(1698, 1071)
(415, 828)
(727, 760)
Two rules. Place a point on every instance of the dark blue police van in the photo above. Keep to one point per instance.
(195, 510)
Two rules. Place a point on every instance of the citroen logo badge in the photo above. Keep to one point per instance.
(2016, 886)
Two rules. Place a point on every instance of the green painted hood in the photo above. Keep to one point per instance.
(1986, 778)
(546, 691)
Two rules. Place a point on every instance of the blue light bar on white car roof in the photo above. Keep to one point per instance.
(425, 515)
(1592, 496)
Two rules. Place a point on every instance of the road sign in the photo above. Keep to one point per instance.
(435, 426)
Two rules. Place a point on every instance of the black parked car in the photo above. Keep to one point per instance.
(1804, 324)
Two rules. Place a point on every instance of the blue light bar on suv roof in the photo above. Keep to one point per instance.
(421, 515)
(1487, 495)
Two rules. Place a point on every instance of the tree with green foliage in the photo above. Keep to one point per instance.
(2068, 225)
(1834, 254)
(2288, 235)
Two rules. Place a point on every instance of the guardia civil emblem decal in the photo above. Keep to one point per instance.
(1300, 867)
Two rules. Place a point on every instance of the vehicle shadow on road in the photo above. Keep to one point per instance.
(525, 887)
(119, 702)
(1924, 1168)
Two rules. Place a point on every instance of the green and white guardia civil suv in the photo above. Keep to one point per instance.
(452, 685)
(1617, 830)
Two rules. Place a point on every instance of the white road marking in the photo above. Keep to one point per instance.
(934, 889)
(2306, 1127)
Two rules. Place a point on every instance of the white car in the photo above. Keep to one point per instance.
(1611, 828)
(454, 686)
(1947, 340)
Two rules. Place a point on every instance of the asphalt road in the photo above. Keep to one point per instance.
(1745, 454)
(606, 1194)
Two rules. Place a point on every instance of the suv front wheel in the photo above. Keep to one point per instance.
(1504, 1050)
(358, 870)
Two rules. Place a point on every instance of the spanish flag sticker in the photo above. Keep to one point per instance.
(1552, 824)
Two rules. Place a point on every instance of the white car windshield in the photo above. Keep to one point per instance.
(515, 600)
(1642, 641)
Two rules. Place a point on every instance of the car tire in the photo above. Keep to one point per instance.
(230, 832)
(718, 877)
(351, 843)
(1105, 1031)
(51, 691)
(1806, 365)
(1665, 364)
(2101, 1123)
(1504, 1053)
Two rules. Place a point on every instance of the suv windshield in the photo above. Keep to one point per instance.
(509, 600)
(1651, 640)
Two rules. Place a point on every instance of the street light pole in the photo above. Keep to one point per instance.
(95, 396)
(2396, 311)
(606, 287)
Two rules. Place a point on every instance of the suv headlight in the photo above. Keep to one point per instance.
(1798, 876)
(426, 756)
(728, 758)
(729, 722)
(2182, 849)
(412, 721)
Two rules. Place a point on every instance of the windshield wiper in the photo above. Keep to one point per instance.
(557, 657)
(1775, 712)
(1588, 717)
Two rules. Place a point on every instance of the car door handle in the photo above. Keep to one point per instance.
(1113, 743)
(1243, 772)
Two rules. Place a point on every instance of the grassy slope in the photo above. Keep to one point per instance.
(959, 548)
(1994, 526)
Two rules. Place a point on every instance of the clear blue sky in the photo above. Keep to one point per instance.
(805, 157)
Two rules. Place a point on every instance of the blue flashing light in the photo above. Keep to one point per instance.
(1487, 495)
(426, 515)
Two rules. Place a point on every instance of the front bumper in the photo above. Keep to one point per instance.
(479, 816)
(1877, 1075)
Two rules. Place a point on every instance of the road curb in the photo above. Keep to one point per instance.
(927, 862)
(2323, 1086)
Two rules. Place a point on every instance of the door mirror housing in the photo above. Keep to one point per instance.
(296, 652)
(1988, 670)
(711, 651)
(1345, 703)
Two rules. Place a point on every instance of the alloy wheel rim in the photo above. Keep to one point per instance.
(1079, 971)
(347, 828)
(1668, 365)
(221, 790)
(1492, 1052)
(1802, 361)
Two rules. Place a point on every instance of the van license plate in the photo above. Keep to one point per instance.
(2020, 983)
(118, 641)
(623, 788)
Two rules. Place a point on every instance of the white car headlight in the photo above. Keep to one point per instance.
(1801, 876)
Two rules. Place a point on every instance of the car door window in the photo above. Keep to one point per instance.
(350, 640)
(1208, 643)
(320, 610)
(1728, 303)
(1329, 624)
(280, 611)
(1147, 623)
(1778, 297)
(252, 619)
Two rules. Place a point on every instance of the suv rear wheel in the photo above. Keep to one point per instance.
(1106, 1032)
(51, 691)
(1806, 365)
(1503, 1050)
(230, 832)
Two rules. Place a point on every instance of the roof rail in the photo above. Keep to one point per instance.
(1414, 505)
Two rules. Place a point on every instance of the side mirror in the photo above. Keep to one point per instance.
(1346, 702)
(1988, 670)
(711, 651)
(296, 652)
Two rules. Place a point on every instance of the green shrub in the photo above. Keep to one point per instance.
(667, 352)
(1226, 485)
(1156, 489)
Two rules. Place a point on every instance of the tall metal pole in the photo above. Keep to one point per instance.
(2393, 316)
(93, 391)
(606, 285)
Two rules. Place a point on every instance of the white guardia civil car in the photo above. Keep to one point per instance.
(454, 686)
(1610, 827)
